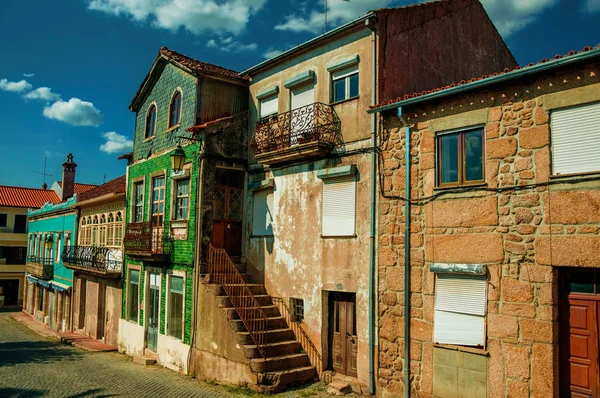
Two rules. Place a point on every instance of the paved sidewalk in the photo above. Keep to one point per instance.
(71, 338)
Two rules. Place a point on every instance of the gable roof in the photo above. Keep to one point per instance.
(80, 188)
(485, 80)
(115, 186)
(26, 197)
(191, 65)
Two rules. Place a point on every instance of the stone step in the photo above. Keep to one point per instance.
(273, 349)
(271, 336)
(281, 362)
(262, 299)
(276, 322)
(274, 382)
(255, 288)
(268, 310)
(146, 361)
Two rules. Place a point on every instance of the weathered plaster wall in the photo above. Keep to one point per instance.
(131, 338)
(523, 224)
(173, 354)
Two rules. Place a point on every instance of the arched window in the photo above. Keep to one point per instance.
(111, 218)
(175, 109)
(151, 121)
(102, 219)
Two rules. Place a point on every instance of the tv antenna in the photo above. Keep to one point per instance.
(325, 1)
(44, 172)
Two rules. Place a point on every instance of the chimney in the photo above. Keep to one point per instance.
(68, 178)
(44, 186)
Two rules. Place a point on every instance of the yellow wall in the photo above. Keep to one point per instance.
(9, 238)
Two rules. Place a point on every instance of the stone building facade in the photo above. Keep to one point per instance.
(522, 216)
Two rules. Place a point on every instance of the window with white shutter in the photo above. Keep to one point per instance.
(460, 308)
(339, 206)
(262, 216)
(575, 134)
(269, 106)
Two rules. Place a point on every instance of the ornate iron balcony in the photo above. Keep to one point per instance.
(99, 260)
(40, 267)
(308, 131)
(147, 241)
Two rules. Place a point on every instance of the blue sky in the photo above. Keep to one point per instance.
(71, 67)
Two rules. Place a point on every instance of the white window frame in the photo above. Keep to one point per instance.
(178, 274)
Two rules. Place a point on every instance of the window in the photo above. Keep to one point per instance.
(339, 206)
(182, 198)
(262, 215)
(460, 307)
(151, 121)
(138, 201)
(297, 308)
(40, 298)
(133, 291)
(175, 316)
(575, 139)
(3, 220)
(175, 109)
(269, 106)
(58, 248)
(158, 200)
(118, 230)
(460, 158)
(20, 224)
(345, 83)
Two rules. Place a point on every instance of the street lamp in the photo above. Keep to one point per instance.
(177, 159)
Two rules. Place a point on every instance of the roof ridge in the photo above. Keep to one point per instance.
(164, 50)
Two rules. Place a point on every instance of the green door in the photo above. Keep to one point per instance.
(153, 311)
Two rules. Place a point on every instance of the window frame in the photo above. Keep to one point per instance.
(15, 223)
(333, 180)
(129, 298)
(6, 223)
(346, 77)
(148, 112)
(151, 214)
(295, 304)
(168, 320)
(269, 191)
(272, 115)
(170, 124)
(176, 198)
(461, 158)
(140, 182)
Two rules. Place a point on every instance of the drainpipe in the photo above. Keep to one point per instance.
(373, 223)
(406, 258)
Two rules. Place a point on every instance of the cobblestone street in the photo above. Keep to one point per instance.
(32, 366)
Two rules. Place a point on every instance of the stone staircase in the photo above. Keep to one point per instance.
(284, 362)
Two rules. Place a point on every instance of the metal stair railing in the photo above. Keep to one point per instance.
(223, 272)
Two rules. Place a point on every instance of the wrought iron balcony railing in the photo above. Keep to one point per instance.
(39, 266)
(103, 260)
(315, 123)
(147, 240)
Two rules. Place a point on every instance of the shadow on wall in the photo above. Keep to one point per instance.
(21, 392)
(15, 353)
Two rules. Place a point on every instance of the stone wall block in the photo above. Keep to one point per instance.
(501, 148)
(463, 212)
(496, 372)
(581, 251)
(542, 375)
(502, 326)
(573, 207)
(534, 137)
(517, 361)
(541, 116)
(518, 310)
(542, 165)
(495, 115)
(466, 248)
(514, 290)
(537, 273)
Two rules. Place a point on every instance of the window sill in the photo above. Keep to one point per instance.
(471, 350)
(339, 236)
(174, 127)
(451, 187)
(344, 101)
(558, 177)
(149, 138)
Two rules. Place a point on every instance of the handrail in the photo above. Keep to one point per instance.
(223, 272)
(96, 257)
(314, 356)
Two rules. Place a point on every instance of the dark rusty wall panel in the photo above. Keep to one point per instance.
(221, 99)
(437, 44)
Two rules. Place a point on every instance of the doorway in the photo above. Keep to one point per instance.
(9, 292)
(579, 322)
(343, 340)
(153, 312)
(228, 205)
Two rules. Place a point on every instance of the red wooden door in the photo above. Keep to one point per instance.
(344, 343)
(227, 211)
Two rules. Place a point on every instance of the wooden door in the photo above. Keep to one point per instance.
(580, 306)
(228, 210)
(344, 341)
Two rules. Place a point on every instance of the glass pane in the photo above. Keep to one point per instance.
(339, 90)
(449, 158)
(175, 324)
(177, 284)
(473, 155)
(134, 276)
(183, 187)
(581, 282)
(353, 86)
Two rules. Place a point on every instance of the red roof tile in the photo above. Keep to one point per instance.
(463, 82)
(113, 186)
(200, 67)
(80, 188)
(26, 197)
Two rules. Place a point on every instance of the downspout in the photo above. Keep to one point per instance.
(373, 221)
(407, 209)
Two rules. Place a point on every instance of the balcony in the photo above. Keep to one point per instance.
(40, 267)
(307, 132)
(147, 242)
(102, 261)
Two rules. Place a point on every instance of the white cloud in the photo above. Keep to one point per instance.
(15, 87)
(74, 112)
(271, 52)
(196, 16)
(42, 93)
(116, 143)
(510, 16)
(51, 154)
(338, 12)
(29, 74)
(229, 45)
(592, 6)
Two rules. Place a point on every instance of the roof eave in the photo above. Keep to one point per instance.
(490, 80)
(109, 196)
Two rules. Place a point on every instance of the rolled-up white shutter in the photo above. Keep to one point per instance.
(339, 206)
(575, 136)
(303, 95)
(262, 217)
(460, 307)
(268, 106)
